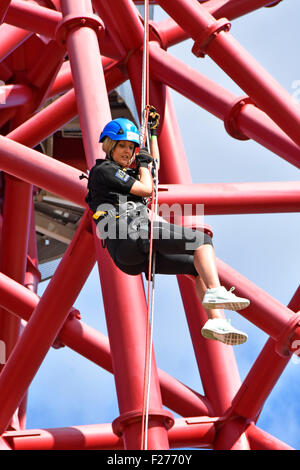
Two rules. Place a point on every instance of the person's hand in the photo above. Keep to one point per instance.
(153, 120)
(143, 158)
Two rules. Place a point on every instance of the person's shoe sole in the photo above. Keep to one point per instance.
(232, 339)
(236, 306)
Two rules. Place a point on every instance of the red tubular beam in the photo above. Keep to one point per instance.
(46, 122)
(234, 8)
(42, 171)
(94, 346)
(235, 198)
(14, 95)
(45, 322)
(15, 231)
(171, 33)
(264, 311)
(271, 97)
(85, 59)
(3, 9)
(6, 116)
(94, 113)
(5, 72)
(261, 440)
(56, 114)
(33, 17)
(128, 356)
(232, 435)
(185, 433)
(45, 21)
(103, 10)
(248, 120)
(59, 178)
(14, 244)
(219, 388)
(259, 382)
(125, 16)
(10, 38)
(261, 379)
(64, 80)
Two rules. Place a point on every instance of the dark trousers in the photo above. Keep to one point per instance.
(174, 246)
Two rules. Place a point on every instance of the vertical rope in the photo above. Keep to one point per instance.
(151, 266)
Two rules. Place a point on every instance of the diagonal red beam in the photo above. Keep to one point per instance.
(219, 388)
(226, 52)
(18, 196)
(43, 171)
(58, 113)
(44, 71)
(11, 38)
(234, 8)
(261, 440)
(14, 95)
(3, 9)
(170, 33)
(241, 120)
(33, 17)
(44, 123)
(261, 379)
(264, 311)
(125, 19)
(45, 322)
(64, 80)
(94, 346)
(41, 20)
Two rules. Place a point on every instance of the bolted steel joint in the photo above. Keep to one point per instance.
(71, 22)
(230, 119)
(57, 343)
(283, 344)
(135, 416)
(210, 33)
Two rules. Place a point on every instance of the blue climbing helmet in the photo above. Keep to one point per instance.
(121, 129)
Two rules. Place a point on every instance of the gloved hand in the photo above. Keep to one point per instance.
(153, 120)
(143, 158)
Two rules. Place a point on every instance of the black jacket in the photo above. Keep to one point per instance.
(108, 181)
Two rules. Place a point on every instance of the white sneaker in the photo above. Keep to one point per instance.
(219, 297)
(221, 330)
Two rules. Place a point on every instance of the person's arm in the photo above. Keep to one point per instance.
(143, 187)
(154, 149)
(154, 118)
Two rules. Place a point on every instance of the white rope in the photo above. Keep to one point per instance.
(144, 135)
(151, 320)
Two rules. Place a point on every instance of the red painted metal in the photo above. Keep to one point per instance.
(93, 345)
(100, 437)
(103, 52)
(46, 321)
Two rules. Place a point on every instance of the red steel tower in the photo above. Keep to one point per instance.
(61, 62)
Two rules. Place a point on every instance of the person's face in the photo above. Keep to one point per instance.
(123, 152)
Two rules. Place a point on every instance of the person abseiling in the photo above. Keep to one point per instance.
(117, 196)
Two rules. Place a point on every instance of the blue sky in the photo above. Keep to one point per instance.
(68, 390)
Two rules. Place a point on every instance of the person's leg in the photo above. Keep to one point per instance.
(201, 288)
(205, 264)
(175, 239)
